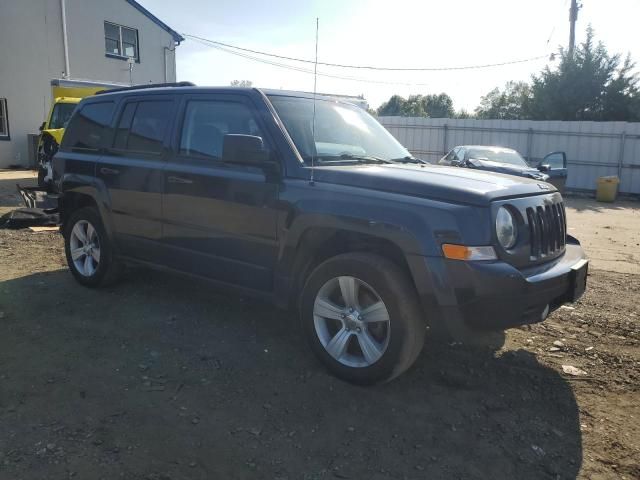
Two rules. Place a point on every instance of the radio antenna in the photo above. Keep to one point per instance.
(313, 122)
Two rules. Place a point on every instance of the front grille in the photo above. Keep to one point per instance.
(547, 229)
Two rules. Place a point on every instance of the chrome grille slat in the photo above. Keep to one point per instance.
(563, 222)
(534, 233)
(547, 229)
(557, 238)
(553, 229)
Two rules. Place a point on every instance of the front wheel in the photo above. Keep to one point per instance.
(361, 317)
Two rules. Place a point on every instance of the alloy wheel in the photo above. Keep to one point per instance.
(351, 321)
(84, 245)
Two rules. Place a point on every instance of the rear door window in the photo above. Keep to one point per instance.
(88, 127)
(142, 126)
(124, 124)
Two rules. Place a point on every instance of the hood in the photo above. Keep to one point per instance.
(451, 184)
(520, 170)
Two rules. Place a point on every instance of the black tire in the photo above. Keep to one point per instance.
(406, 326)
(108, 269)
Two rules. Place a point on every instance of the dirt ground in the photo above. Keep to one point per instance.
(161, 378)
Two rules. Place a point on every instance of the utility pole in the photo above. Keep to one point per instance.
(573, 17)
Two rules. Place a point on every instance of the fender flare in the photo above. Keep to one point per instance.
(88, 186)
(295, 258)
(393, 233)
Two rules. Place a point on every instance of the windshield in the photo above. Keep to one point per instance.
(501, 155)
(61, 115)
(343, 132)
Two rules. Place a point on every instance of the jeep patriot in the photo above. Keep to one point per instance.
(325, 213)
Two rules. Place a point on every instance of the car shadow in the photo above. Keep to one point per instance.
(160, 377)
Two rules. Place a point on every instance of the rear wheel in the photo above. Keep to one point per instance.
(88, 249)
(361, 317)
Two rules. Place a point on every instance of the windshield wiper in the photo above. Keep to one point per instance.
(406, 159)
(351, 157)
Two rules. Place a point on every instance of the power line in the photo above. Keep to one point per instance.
(217, 44)
(305, 70)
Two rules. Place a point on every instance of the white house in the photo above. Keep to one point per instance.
(72, 39)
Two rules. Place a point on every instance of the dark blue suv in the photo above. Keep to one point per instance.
(312, 204)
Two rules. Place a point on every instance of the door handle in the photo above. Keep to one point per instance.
(109, 171)
(181, 180)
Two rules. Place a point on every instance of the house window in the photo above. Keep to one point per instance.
(4, 120)
(121, 41)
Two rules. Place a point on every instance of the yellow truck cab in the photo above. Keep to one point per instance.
(59, 115)
(66, 95)
(51, 132)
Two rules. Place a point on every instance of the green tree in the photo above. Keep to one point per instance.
(414, 106)
(590, 85)
(621, 96)
(438, 106)
(392, 107)
(463, 114)
(435, 106)
(508, 104)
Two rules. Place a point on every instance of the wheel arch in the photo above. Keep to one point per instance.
(78, 194)
(318, 244)
(72, 201)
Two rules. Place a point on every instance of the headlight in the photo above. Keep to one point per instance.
(506, 229)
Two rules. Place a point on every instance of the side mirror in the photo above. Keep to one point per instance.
(243, 149)
(41, 128)
(544, 168)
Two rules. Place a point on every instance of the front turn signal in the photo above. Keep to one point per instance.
(463, 252)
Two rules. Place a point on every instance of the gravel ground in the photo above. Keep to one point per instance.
(161, 378)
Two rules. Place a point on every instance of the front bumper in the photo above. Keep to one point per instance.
(496, 295)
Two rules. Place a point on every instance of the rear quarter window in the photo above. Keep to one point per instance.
(142, 126)
(88, 127)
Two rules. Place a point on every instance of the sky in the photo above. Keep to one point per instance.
(389, 33)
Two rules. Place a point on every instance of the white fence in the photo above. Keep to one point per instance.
(594, 149)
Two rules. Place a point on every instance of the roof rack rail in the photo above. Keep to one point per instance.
(150, 85)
